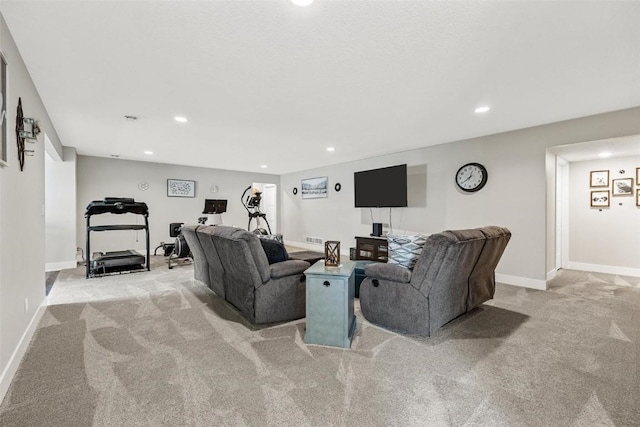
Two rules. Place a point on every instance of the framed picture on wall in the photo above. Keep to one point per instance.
(313, 188)
(622, 187)
(637, 177)
(599, 179)
(181, 188)
(638, 197)
(3, 111)
(600, 199)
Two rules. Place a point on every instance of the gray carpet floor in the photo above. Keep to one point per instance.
(158, 349)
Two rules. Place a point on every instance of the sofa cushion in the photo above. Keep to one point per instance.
(274, 250)
(404, 250)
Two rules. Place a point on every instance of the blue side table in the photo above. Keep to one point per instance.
(330, 293)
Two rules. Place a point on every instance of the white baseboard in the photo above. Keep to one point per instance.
(552, 274)
(608, 269)
(523, 282)
(57, 266)
(15, 359)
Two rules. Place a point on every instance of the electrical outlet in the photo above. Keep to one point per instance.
(26, 305)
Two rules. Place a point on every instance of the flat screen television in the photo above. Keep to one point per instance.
(378, 188)
(214, 206)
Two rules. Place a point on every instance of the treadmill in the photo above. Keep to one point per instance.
(126, 261)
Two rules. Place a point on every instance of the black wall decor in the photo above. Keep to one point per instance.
(295, 191)
(25, 133)
(337, 187)
(19, 137)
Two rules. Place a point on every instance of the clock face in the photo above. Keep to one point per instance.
(471, 177)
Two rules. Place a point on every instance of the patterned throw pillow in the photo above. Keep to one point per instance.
(276, 237)
(404, 250)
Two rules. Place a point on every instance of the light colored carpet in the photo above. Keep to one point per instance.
(158, 349)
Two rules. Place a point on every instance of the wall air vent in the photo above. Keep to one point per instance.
(313, 240)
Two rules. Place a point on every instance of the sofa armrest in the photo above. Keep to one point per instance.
(392, 272)
(288, 268)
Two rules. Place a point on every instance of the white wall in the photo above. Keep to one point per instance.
(60, 212)
(550, 203)
(21, 218)
(515, 195)
(604, 239)
(101, 177)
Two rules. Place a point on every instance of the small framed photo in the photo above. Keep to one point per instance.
(638, 197)
(599, 178)
(313, 188)
(181, 188)
(600, 199)
(622, 187)
(637, 177)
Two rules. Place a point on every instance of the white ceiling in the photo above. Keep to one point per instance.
(592, 150)
(267, 82)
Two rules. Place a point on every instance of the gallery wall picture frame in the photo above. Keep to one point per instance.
(637, 177)
(314, 188)
(181, 188)
(622, 187)
(600, 199)
(599, 178)
(638, 197)
(4, 139)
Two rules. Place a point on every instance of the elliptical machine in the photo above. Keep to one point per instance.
(252, 204)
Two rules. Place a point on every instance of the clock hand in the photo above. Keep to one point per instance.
(467, 178)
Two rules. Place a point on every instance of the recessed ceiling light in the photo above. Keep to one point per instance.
(482, 109)
(181, 119)
(331, 149)
(605, 154)
(302, 2)
(263, 166)
(148, 153)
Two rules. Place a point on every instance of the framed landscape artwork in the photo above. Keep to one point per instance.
(600, 199)
(622, 187)
(181, 188)
(313, 188)
(599, 178)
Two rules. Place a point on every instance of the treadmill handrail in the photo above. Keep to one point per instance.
(116, 227)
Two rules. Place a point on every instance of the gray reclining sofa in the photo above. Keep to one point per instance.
(455, 273)
(233, 264)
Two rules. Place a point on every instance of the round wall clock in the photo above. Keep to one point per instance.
(471, 177)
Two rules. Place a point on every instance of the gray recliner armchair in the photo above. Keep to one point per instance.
(454, 274)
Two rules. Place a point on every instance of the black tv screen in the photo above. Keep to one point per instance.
(214, 206)
(377, 188)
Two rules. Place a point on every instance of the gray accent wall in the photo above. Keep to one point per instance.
(103, 177)
(22, 246)
(515, 195)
